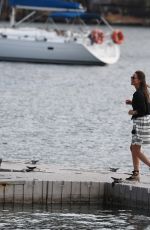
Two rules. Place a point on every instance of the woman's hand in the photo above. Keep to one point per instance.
(128, 102)
(132, 112)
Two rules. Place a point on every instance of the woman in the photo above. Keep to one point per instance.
(141, 122)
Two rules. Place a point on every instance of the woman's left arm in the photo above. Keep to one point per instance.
(132, 112)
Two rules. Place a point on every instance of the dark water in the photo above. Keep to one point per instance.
(75, 217)
(73, 116)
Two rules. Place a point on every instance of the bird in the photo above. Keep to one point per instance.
(116, 181)
(30, 168)
(1, 161)
(34, 161)
(113, 169)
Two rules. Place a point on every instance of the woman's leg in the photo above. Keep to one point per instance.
(135, 149)
(135, 159)
(136, 155)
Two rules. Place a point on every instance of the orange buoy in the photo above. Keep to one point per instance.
(118, 37)
(97, 36)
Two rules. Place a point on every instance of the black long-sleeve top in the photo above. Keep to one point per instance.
(140, 104)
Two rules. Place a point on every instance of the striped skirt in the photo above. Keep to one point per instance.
(141, 131)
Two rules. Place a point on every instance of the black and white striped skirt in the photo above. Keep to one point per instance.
(141, 130)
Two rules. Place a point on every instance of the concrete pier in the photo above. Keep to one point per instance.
(48, 184)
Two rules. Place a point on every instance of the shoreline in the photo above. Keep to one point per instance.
(118, 19)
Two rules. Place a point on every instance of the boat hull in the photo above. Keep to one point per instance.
(46, 52)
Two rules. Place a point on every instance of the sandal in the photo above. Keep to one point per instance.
(135, 176)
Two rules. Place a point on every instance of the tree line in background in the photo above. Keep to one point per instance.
(136, 8)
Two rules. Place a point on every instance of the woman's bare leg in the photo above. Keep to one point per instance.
(135, 159)
(136, 153)
(136, 163)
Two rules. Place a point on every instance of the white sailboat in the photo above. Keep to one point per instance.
(53, 46)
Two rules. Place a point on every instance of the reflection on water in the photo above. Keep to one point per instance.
(73, 217)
